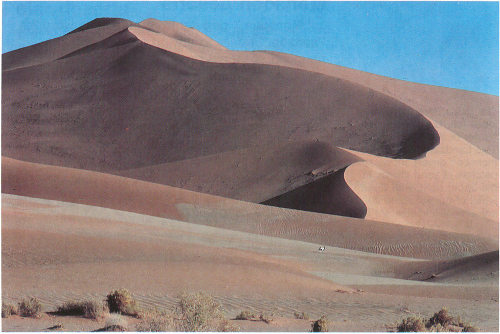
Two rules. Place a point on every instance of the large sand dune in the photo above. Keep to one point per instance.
(148, 156)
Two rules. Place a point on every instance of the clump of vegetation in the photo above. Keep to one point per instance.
(470, 328)
(266, 317)
(199, 312)
(155, 321)
(441, 317)
(320, 325)
(246, 315)
(30, 307)
(121, 301)
(303, 316)
(8, 310)
(115, 323)
(92, 309)
(441, 321)
(411, 324)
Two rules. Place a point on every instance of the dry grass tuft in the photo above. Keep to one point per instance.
(246, 315)
(155, 321)
(441, 317)
(411, 324)
(116, 323)
(303, 315)
(8, 310)
(320, 325)
(121, 301)
(92, 309)
(199, 312)
(30, 307)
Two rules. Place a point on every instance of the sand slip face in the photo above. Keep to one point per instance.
(454, 188)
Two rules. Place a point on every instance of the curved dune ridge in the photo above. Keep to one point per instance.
(242, 105)
(137, 112)
(259, 174)
(104, 190)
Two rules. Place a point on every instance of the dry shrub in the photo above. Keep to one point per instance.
(411, 324)
(470, 328)
(116, 323)
(155, 321)
(246, 315)
(92, 309)
(266, 317)
(442, 317)
(320, 325)
(199, 312)
(30, 307)
(303, 316)
(8, 310)
(121, 301)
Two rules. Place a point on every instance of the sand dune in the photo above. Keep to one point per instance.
(244, 105)
(259, 174)
(104, 190)
(136, 155)
(471, 115)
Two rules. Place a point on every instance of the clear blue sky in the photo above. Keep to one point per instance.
(452, 44)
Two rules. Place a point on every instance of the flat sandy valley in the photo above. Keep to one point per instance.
(173, 164)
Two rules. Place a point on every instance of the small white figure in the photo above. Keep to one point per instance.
(322, 248)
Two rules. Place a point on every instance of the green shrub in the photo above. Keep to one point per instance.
(246, 315)
(320, 325)
(30, 307)
(91, 309)
(121, 301)
(411, 324)
(198, 312)
(8, 310)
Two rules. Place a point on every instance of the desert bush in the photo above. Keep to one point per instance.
(266, 317)
(320, 325)
(116, 323)
(441, 317)
(469, 328)
(8, 310)
(246, 315)
(121, 301)
(155, 321)
(30, 307)
(92, 309)
(198, 312)
(411, 324)
(302, 315)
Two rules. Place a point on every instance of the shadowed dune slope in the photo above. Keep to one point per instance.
(104, 190)
(471, 115)
(140, 105)
(255, 174)
(329, 195)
